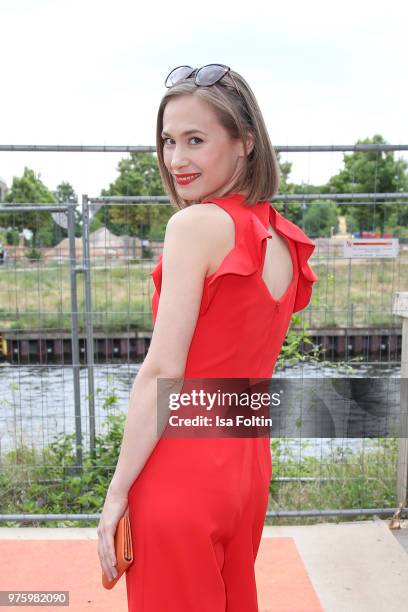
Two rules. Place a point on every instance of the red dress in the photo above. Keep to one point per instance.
(198, 506)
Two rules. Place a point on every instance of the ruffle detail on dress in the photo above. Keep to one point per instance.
(304, 249)
(306, 277)
(244, 258)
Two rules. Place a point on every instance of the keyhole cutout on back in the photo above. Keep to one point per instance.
(277, 272)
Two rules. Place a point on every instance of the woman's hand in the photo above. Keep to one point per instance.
(115, 506)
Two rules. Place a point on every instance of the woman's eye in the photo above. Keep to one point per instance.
(192, 138)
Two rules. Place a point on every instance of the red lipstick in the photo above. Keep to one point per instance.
(185, 179)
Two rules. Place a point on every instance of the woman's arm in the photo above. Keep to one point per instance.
(190, 236)
(186, 257)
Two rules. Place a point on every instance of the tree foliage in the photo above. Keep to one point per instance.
(320, 217)
(29, 189)
(138, 175)
(371, 172)
(65, 193)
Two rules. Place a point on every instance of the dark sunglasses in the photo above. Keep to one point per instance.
(203, 77)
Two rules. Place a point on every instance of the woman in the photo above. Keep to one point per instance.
(222, 307)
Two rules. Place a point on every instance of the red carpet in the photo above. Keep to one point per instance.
(73, 565)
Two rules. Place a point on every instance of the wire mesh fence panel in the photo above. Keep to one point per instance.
(75, 276)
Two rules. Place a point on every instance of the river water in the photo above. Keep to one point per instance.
(37, 402)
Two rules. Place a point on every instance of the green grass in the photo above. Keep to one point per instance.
(363, 479)
(35, 481)
(359, 294)
(40, 299)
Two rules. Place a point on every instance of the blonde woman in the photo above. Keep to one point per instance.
(233, 271)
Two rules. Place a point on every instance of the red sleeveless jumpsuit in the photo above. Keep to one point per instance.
(197, 508)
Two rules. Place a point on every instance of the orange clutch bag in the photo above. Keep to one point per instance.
(123, 551)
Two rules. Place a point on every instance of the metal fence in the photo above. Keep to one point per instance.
(58, 396)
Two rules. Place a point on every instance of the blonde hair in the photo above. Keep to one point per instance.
(238, 114)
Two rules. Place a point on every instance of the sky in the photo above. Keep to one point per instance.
(92, 73)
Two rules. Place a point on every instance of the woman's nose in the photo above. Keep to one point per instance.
(178, 160)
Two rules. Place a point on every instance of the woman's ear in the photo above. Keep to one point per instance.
(250, 141)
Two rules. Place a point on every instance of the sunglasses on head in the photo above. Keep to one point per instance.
(203, 77)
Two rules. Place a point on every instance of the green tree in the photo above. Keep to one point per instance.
(29, 189)
(294, 210)
(320, 217)
(285, 170)
(66, 193)
(367, 172)
(138, 175)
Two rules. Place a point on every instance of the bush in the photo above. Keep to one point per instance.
(12, 237)
(33, 254)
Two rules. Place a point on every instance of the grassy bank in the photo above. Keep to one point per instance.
(45, 481)
(359, 292)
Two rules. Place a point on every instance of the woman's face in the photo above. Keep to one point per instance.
(194, 142)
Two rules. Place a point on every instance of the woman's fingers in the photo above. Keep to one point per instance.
(109, 541)
(102, 561)
(114, 507)
(106, 553)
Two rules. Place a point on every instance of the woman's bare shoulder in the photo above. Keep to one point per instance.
(208, 218)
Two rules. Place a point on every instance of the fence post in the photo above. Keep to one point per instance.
(400, 307)
(75, 337)
(88, 321)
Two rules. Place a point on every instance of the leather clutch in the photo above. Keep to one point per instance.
(123, 551)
